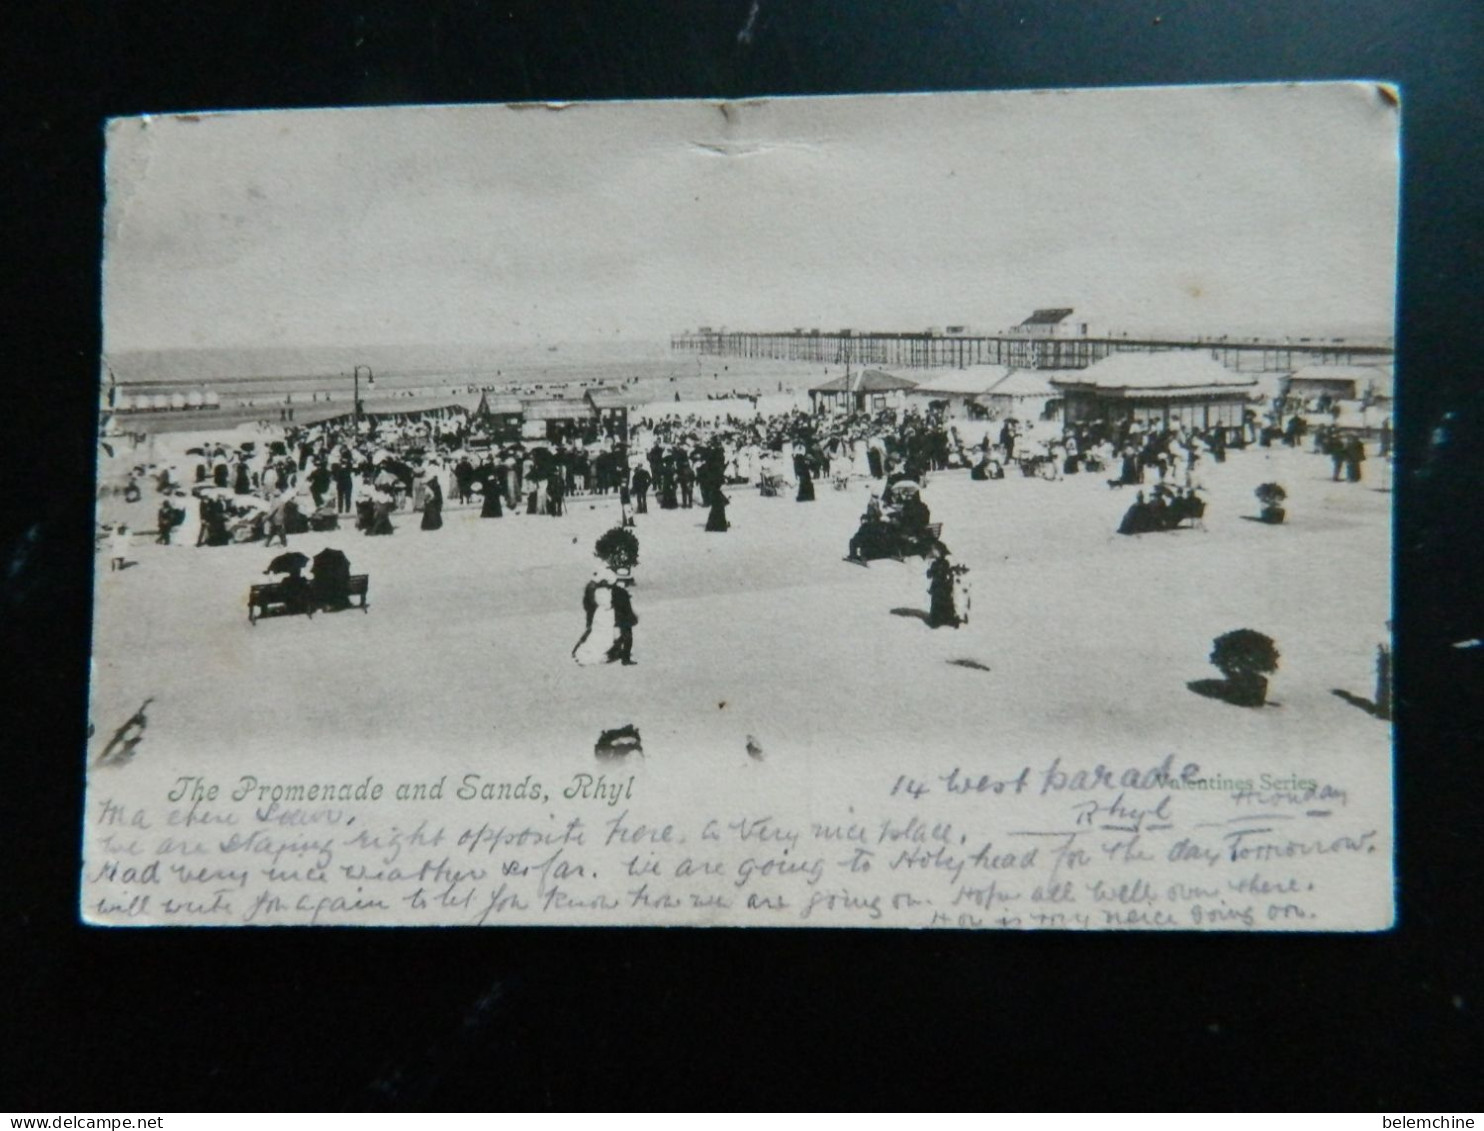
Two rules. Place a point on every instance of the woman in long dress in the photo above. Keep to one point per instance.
(433, 504)
(491, 482)
(942, 611)
(806, 482)
(716, 521)
(601, 634)
(382, 505)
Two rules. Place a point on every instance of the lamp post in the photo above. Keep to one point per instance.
(356, 378)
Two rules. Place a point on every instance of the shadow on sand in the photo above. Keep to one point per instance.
(1368, 706)
(974, 665)
(1227, 692)
(920, 614)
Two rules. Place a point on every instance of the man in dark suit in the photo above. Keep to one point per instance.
(624, 620)
(642, 480)
(344, 480)
(686, 473)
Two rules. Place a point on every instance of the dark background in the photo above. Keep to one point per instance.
(341, 1019)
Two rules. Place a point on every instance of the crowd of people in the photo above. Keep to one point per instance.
(384, 471)
(1166, 508)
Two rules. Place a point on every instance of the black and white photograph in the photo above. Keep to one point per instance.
(960, 510)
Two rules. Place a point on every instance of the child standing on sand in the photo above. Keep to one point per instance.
(118, 547)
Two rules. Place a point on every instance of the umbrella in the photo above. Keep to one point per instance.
(398, 468)
(195, 451)
(907, 485)
(291, 562)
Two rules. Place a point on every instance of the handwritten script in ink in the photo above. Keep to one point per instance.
(1167, 845)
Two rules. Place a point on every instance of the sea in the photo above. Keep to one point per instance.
(253, 383)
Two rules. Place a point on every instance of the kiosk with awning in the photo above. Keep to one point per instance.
(868, 391)
(1025, 394)
(959, 391)
(1173, 388)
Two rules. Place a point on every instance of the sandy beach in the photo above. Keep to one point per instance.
(1077, 636)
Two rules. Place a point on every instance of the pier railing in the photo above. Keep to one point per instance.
(942, 351)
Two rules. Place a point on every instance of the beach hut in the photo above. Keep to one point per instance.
(195, 399)
(870, 390)
(496, 416)
(556, 418)
(1185, 388)
(1337, 382)
(614, 407)
(177, 402)
(500, 415)
(957, 391)
(1025, 394)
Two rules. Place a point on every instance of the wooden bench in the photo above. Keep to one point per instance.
(359, 585)
(918, 547)
(274, 598)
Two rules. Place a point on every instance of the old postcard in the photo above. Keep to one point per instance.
(959, 510)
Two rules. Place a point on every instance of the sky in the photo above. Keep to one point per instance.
(1209, 210)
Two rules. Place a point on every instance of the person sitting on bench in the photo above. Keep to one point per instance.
(875, 538)
(913, 516)
(332, 579)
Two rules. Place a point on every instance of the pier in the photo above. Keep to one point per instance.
(934, 350)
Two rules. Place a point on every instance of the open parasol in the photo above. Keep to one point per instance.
(292, 562)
